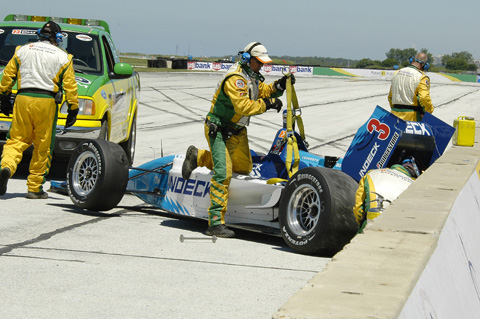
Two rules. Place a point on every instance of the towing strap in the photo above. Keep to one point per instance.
(275, 180)
(292, 117)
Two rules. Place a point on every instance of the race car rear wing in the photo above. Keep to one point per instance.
(385, 139)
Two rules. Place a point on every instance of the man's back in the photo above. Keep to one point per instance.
(404, 84)
(40, 62)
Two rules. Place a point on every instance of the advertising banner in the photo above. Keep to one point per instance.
(198, 65)
(298, 70)
(267, 69)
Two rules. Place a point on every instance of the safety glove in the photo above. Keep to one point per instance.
(281, 84)
(273, 103)
(71, 118)
(5, 104)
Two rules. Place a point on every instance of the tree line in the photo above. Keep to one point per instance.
(457, 61)
(395, 58)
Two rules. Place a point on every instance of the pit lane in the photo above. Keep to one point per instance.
(129, 262)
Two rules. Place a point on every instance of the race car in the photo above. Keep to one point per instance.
(108, 89)
(305, 198)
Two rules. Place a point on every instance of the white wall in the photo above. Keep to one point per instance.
(449, 286)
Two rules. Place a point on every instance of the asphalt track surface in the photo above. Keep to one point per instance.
(58, 261)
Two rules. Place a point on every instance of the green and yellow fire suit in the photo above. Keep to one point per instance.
(377, 189)
(409, 95)
(237, 97)
(39, 69)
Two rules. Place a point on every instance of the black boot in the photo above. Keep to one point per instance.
(4, 176)
(39, 195)
(190, 162)
(220, 231)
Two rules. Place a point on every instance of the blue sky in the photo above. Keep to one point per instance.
(348, 29)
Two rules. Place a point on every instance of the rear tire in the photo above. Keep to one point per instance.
(316, 211)
(97, 175)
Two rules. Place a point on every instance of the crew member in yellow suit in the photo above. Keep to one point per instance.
(409, 95)
(240, 94)
(39, 69)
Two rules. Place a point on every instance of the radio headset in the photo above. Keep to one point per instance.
(58, 36)
(426, 65)
(245, 57)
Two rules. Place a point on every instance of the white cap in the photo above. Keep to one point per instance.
(259, 51)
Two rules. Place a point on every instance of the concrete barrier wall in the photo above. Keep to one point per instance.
(449, 286)
(419, 259)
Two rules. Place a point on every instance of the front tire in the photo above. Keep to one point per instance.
(97, 175)
(316, 211)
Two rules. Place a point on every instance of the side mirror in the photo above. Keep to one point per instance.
(122, 70)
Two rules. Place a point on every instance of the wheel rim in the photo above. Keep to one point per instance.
(85, 174)
(303, 210)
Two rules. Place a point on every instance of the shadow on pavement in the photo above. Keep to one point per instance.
(58, 170)
(199, 226)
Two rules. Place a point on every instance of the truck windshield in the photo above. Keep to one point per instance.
(84, 47)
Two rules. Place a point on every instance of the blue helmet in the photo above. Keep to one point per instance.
(411, 166)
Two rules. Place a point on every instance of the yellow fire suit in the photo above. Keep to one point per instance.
(409, 95)
(237, 97)
(39, 69)
(377, 189)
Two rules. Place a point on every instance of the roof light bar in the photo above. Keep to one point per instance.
(73, 21)
(38, 18)
(56, 19)
(17, 17)
(92, 22)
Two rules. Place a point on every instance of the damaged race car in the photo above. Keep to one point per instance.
(303, 197)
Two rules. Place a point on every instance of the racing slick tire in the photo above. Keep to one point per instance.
(316, 211)
(97, 175)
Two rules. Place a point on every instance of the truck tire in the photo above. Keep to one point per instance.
(129, 145)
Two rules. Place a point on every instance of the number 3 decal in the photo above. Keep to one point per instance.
(382, 129)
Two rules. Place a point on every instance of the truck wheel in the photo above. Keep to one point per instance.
(103, 135)
(97, 175)
(129, 145)
(316, 211)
